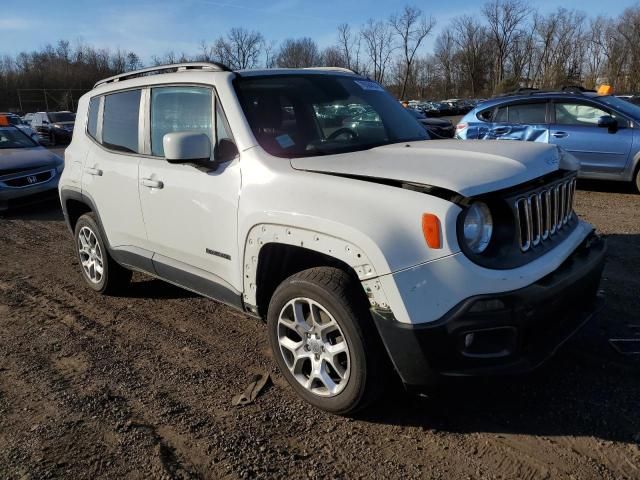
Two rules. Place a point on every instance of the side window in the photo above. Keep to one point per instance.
(502, 115)
(179, 109)
(120, 121)
(527, 113)
(578, 114)
(92, 119)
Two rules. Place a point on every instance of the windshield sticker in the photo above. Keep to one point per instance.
(369, 85)
(285, 141)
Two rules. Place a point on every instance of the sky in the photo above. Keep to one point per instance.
(156, 27)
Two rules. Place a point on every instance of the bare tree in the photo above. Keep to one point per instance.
(349, 45)
(471, 38)
(378, 41)
(298, 53)
(240, 49)
(505, 19)
(332, 57)
(412, 28)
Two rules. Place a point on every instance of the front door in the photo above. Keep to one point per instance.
(599, 150)
(190, 211)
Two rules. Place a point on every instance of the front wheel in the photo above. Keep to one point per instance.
(636, 180)
(324, 341)
(99, 270)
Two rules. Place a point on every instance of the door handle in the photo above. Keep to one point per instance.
(560, 134)
(93, 171)
(500, 130)
(148, 182)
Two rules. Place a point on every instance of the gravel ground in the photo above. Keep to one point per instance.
(140, 386)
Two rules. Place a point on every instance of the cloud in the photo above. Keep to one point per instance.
(16, 24)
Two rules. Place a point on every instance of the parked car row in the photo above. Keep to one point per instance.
(50, 128)
(442, 108)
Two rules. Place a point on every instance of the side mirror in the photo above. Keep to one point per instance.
(226, 150)
(609, 122)
(186, 147)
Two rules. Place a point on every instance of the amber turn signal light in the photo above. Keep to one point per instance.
(431, 230)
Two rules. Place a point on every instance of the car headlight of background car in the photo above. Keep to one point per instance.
(477, 227)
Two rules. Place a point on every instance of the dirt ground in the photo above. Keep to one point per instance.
(140, 386)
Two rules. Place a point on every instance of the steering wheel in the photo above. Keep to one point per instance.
(342, 131)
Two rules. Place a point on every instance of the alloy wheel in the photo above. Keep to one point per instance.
(314, 347)
(90, 255)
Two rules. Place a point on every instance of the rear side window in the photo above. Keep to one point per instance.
(92, 120)
(525, 113)
(179, 109)
(120, 121)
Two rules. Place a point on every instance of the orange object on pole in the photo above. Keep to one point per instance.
(4, 121)
(605, 89)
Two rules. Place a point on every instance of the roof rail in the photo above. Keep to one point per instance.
(175, 67)
(576, 89)
(334, 69)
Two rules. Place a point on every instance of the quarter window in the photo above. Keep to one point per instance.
(92, 121)
(179, 109)
(120, 121)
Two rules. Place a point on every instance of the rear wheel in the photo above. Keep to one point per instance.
(99, 270)
(324, 341)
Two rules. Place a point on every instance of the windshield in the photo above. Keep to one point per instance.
(61, 117)
(15, 121)
(307, 115)
(622, 106)
(14, 138)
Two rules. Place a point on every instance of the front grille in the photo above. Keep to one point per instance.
(29, 180)
(543, 213)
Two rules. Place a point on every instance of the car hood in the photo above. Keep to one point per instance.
(466, 167)
(27, 158)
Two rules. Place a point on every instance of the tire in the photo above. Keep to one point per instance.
(356, 375)
(99, 270)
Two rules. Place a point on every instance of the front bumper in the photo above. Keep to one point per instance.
(503, 333)
(28, 195)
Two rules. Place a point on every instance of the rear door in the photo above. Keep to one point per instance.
(110, 173)
(575, 128)
(522, 120)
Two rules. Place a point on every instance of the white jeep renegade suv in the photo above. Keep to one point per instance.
(310, 198)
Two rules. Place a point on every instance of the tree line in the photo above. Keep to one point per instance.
(504, 46)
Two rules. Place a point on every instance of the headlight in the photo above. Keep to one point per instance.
(478, 227)
(60, 168)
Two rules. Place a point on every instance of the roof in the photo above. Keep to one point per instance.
(217, 67)
(535, 94)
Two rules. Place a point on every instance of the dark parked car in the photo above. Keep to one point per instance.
(53, 127)
(437, 127)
